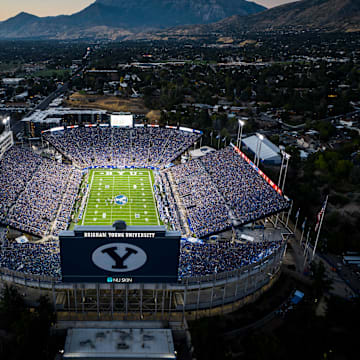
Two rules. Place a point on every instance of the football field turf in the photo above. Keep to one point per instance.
(121, 195)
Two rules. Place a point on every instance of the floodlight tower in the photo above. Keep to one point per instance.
(258, 148)
(240, 131)
(282, 149)
(6, 123)
(285, 157)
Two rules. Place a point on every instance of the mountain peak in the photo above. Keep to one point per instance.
(23, 15)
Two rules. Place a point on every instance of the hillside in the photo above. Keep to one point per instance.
(114, 19)
(325, 15)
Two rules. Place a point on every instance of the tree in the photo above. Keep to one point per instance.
(11, 306)
(321, 283)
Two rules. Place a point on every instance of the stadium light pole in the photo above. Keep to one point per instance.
(261, 138)
(289, 212)
(256, 151)
(240, 131)
(282, 148)
(6, 123)
(287, 157)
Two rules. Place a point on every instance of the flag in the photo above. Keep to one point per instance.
(303, 225)
(297, 214)
(211, 134)
(224, 139)
(218, 137)
(319, 216)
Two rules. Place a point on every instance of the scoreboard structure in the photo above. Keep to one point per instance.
(120, 254)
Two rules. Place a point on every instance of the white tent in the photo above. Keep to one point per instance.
(269, 152)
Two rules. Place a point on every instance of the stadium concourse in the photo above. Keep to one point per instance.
(41, 197)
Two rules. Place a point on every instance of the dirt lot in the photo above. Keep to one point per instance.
(110, 103)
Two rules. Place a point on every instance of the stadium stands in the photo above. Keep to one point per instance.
(17, 167)
(196, 259)
(206, 209)
(199, 259)
(36, 192)
(243, 189)
(32, 258)
(119, 147)
(219, 183)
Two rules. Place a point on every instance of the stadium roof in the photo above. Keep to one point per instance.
(119, 344)
(269, 152)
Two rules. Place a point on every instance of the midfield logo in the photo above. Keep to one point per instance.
(119, 257)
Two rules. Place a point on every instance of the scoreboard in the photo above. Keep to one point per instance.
(120, 254)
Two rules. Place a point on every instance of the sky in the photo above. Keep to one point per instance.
(9, 8)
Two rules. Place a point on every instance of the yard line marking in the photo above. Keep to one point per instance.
(155, 204)
(112, 198)
(130, 198)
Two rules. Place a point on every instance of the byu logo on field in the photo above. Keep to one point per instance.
(119, 257)
(121, 200)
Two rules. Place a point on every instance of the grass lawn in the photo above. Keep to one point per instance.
(121, 195)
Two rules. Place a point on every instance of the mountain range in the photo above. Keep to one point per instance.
(154, 19)
(324, 15)
(118, 18)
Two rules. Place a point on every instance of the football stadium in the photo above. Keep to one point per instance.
(114, 223)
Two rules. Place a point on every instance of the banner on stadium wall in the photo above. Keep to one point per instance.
(139, 125)
(186, 129)
(153, 125)
(170, 127)
(261, 173)
(72, 126)
(57, 129)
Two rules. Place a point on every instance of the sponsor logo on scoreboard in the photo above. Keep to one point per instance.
(119, 257)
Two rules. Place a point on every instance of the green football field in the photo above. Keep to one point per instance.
(121, 195)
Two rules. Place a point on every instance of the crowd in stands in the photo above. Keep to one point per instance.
(219, 183)
(199, 259)
(32, 258)
(17, 167)
(36, 194)
(206, 209)
(70, 196)
(247, 194)
(106, 146)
